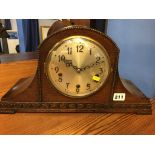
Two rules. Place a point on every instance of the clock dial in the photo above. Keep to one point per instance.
(77, 66)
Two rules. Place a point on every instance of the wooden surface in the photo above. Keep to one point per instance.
(65, 123)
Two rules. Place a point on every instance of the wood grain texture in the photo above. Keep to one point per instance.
(10, 73)
(65, 123)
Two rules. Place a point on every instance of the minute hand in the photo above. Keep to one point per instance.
(91, 65)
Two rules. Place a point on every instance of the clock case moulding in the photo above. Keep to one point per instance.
(35, 94)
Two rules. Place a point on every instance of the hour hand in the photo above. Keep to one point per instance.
(69, 63)
(88, 67)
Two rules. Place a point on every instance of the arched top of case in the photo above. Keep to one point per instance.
(75, 30)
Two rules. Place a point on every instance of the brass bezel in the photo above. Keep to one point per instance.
(47, 60)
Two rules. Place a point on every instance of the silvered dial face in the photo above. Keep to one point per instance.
(77, 66)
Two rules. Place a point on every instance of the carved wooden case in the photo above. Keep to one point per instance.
(37, 95)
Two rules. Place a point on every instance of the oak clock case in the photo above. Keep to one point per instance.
(77, 72)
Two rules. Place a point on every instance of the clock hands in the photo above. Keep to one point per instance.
(91, 65)
(77, 69)
(69, 63)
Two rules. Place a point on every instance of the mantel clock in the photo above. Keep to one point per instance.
(77, 72)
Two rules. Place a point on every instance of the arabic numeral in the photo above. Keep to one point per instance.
(88, 86)
(90, 51)
(67, 85)
(60, 79)
(77, 88)
(56, 69)
(97, 59)
(69, 50)
(61, 58)
(101, 70)
(79, 48)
